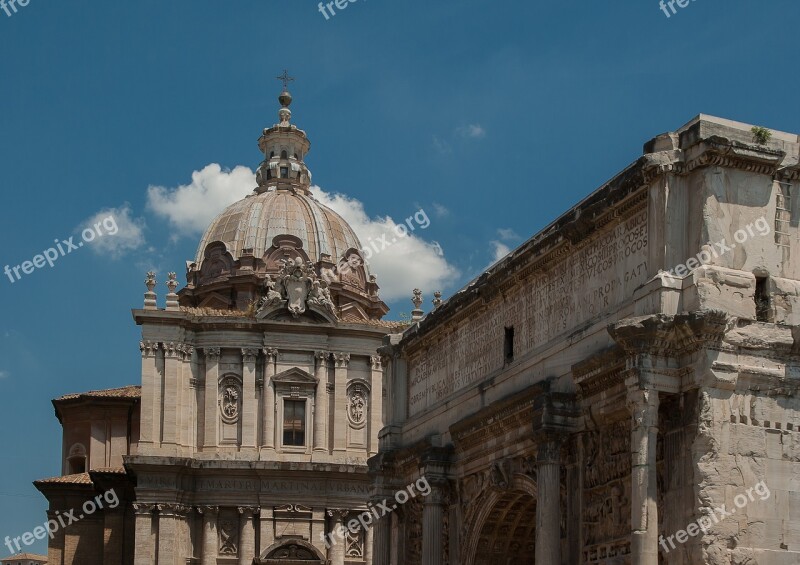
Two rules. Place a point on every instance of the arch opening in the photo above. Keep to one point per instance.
(506, 535)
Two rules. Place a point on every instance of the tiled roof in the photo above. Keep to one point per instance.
(22, 556)
(79, 479)
(124, 392)
(110, 471)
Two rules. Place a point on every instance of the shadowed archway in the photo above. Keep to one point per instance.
(503, 530)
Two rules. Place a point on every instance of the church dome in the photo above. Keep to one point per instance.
(253, 224)
(279, 249)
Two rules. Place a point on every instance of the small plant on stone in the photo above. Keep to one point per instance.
(761, 135)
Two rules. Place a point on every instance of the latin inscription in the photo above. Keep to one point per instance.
(593, 280)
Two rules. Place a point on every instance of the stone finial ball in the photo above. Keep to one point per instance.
(285, 98)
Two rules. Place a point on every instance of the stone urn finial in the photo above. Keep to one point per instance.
(172, 298)
(150, 296)
(417, 313)
(437, 299)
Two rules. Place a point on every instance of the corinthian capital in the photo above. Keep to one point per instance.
(212, 353)
(377, 362)
(342, 359)
(249, 355)
(148, 348)
(271, 353)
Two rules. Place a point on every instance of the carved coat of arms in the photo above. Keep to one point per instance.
(297, 287)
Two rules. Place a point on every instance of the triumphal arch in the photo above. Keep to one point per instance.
(622, 388)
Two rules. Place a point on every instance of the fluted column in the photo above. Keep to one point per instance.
(143, 542)
(643, 405)
(268, 398)
(382, 541)
(376, 403)
(433, 532)
(249, 400)
(210, 542)
(548, 503)
(247, 540)
(382, 537)
(321, 403)
(336, 552)
(150, 431)
(211, 398)
(340, 411)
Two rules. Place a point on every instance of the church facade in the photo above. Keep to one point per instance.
(260, 402)
(623, 388)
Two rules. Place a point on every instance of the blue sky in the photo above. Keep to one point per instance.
(492, 116)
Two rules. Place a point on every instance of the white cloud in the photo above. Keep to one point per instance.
(471, 131)
(507, 234)
(405, 263)
(190, 208)
(116, 231)
(500, 250)
(440, 211)
(3, 375)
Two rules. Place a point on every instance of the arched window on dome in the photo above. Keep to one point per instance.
(284, 154)
(271, 154)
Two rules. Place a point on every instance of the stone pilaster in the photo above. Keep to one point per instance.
(210, 544)
(376, 403)
(247, 538)
(643, 405)
(321, 403)
(249, 400)
(168, 543)
(336, 552)
(172, 393)
(143, 542)
(340, 412)
(267, 528)
(548, 503)
(368, 543)
(187, 426)
(150, 427)
(268, 398)
(211, 435)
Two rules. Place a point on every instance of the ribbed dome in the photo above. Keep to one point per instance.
(254, 222)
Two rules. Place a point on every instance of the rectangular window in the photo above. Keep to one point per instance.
(508, 348)
(762, 300)
(294, 422)
(284, 172)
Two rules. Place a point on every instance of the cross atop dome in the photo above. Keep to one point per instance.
(286, 79)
